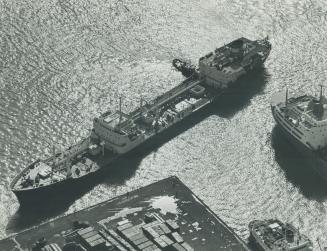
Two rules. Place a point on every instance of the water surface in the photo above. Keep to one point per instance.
(64, 62)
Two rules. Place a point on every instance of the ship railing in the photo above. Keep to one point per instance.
(84, 142)
(76, 150)
(293, 113)
(175, 92)
(166, 97)
(308, 117)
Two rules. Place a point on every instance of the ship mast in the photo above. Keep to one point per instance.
(120, 115)
(141, 105)
(68, 167)
(320, 98)
(286, 101)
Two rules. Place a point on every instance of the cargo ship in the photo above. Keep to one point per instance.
(114, 134)
(273, 235)
(165, 215)
(303, 120)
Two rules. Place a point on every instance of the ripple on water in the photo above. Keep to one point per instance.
(61, 65)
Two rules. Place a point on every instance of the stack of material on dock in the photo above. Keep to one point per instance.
(51, 247)
(91, 238)
(130, 222)
(152, 235)
(135, 236)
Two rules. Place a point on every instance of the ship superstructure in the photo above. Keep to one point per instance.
(273, 235)
(303, 119)
(117, 133)
(226, 64)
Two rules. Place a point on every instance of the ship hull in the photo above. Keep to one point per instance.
(257, 244)
(56, 192)
(63, 188)
(318, 164)
(258, 240)
(70, 186)
(52, 192)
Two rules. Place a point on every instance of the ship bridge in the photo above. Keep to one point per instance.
(226, 64)
(116, 130)
(115, 121)
(304, 118)
(317, 110)
(311, 109)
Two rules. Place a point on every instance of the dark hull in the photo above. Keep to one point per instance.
(254, 244)
(69, 187)
(63, 189)
(316, 162)
(52, 192)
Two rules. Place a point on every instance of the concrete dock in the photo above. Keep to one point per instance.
(169, 199)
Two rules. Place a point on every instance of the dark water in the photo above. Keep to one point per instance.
(64, 62)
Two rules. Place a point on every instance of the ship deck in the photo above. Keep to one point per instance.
(168, 198)
(168, 96)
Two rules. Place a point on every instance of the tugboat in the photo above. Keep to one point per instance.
(184, 67)
(116, 133)
(273, 235)
(303, 120)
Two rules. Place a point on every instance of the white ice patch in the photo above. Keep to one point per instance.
(166, 204)
(196, 226)
(121, 214)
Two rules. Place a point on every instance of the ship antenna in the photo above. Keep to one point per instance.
(141, 103)
(286, 98)
(120, 109)
(68, 167)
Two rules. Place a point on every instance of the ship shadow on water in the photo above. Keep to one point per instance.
(297, 168)
(239, 96)
(225, 106)
(125, 167)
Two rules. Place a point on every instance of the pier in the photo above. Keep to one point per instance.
(169, 200)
